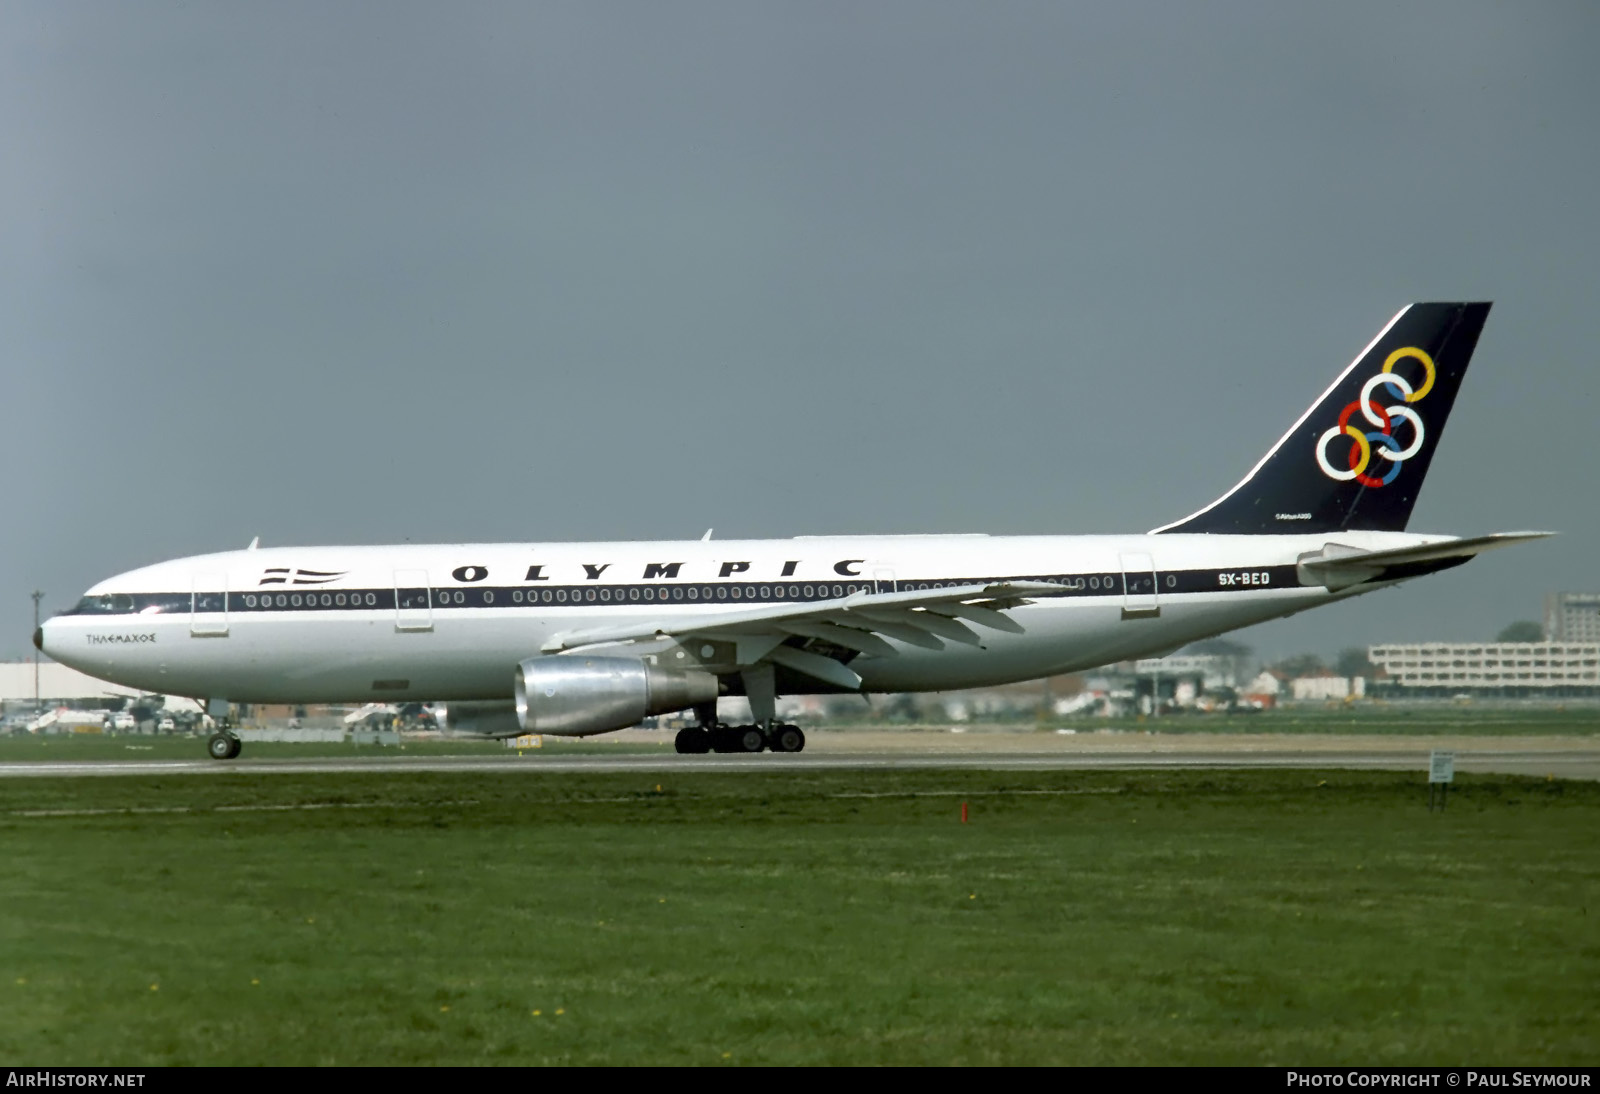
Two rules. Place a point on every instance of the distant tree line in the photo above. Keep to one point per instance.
(1523, 630)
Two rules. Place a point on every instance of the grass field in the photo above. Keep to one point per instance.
(1380, 720)
(809, 918)
(1472, 719)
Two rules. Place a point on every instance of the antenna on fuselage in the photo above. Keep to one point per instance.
(254, 543)
(707, 535)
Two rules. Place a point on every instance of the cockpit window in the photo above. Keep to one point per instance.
(106, 604)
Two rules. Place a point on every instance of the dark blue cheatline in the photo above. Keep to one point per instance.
(720, 593)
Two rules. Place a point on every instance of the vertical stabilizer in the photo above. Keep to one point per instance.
(1357, 458)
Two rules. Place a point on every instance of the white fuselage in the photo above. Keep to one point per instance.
(451, 622)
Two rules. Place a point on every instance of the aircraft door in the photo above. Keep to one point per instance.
(208, 605)
(413, 601)
(883, 579)
(1139, 598)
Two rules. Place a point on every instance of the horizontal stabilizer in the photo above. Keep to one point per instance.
(1337, 566)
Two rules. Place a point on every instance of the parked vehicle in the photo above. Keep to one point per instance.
(67, 720)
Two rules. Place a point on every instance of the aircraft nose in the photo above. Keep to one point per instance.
(38, 638)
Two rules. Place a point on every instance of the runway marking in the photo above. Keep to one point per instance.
(1578, 763)
(95, 812)
(141, 810)
(974, 793)
(185, 809)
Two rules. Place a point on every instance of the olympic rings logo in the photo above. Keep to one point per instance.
(1381, 441)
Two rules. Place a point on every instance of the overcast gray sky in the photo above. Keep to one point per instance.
(462, 272)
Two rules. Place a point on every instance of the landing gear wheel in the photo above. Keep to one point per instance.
(224, 746)
(788, 739)
(692, 741)
(751, 739)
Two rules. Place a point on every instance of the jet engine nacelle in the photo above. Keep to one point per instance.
(570, 695)
(478, 719)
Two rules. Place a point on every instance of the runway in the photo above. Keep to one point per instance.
(1579, 759)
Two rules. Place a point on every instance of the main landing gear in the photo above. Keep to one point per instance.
(754, 738)
(767, 733)
(224, 746)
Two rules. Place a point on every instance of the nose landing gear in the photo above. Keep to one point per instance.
(224, 746)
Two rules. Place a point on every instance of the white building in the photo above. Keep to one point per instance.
(1516, 666)
(57, 683)
(1336, 688)
(1265, 684)
(1209, 671)
(1572, 617)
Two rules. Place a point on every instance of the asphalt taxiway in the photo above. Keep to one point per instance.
(1560, 757)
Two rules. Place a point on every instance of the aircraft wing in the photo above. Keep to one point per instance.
(860, 622)
(1337, 566)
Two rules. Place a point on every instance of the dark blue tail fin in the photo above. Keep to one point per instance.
(1356, 459)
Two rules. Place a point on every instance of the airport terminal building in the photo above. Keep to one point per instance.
(1512, 670)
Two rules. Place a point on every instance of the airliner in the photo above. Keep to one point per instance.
(574, 639)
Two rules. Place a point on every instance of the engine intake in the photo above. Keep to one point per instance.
(570, 695)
